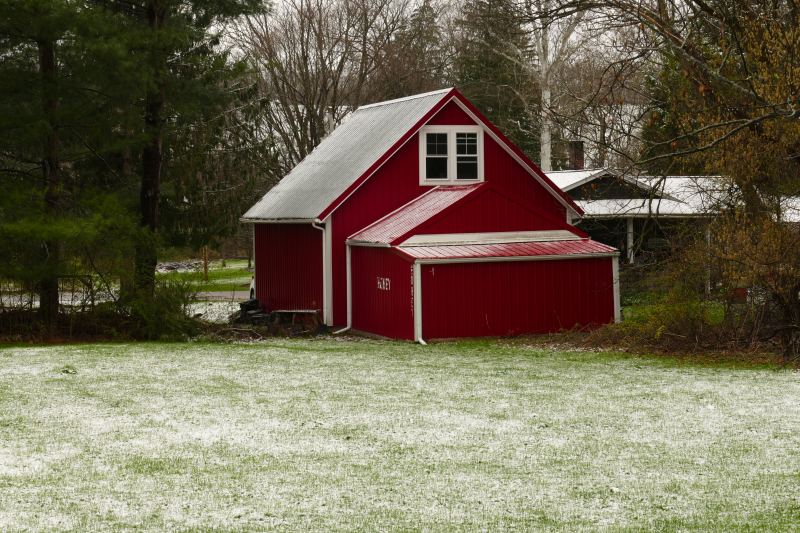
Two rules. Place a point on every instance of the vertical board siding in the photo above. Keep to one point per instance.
(515, 298)
(489, 212)
(288, 266)
(501, 168)
(451, 115)
(397, 182)
(380, 308)
(393, 185)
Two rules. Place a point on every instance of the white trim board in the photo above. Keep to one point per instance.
(498, 237)
(515, 258)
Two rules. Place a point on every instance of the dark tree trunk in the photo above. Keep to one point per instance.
(152, 157)
(48, 285)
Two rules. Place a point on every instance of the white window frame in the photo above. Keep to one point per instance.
(451, 155)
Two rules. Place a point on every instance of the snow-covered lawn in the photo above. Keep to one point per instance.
(316, 435)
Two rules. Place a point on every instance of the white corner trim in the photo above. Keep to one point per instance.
(418, 303)
(615, 276)
(328, 271)
(327, 289)
(452, 157)
(349, 290)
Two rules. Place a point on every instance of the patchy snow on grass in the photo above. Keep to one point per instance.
(324, 435)
(218, 312)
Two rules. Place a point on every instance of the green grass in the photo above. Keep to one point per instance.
(233, 277)
(370, 436)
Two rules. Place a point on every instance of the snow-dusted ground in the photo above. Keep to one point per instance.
(315, 435)
(214, 311)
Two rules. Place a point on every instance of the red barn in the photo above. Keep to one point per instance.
(416, 219)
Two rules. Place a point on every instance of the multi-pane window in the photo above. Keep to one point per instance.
(466, 156)
(436, 156)
(451, 154)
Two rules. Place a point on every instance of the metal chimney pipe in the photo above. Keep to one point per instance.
(330, 120)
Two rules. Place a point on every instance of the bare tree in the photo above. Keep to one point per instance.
(320, 57)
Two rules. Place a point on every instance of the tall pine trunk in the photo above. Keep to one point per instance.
(152, 158)
(48, 285)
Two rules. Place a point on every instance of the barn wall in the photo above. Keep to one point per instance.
(515, 297)
(393, 185)
(504, 170)
(451, 115)
(383, 301)
(489, 212)
(288, 266)
(397, 182)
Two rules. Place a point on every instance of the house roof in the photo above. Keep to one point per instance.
(675, 196)
(577, 248)
(400, 225)
(353, 151)
(569, 179)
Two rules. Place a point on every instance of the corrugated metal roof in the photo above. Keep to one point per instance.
(342, 158)
(523, 249)
(640, 208)
(414, 213)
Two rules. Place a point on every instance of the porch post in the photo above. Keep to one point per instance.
(630, 240)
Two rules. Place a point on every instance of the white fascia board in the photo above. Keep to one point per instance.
(406, 98)
(417, 295)
(615, 276)
(498, 237)
(596, 175)
(514, 258)
(328, 271)
(367, 244)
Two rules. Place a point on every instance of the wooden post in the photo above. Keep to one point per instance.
(630, 240)
(205, 263)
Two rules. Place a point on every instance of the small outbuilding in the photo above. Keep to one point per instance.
(418, 219)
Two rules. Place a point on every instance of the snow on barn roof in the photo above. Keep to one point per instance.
(517, 249)
(343, 157)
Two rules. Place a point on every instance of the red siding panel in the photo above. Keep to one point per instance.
(393, 185)
(288, 266)
(489, 212)
(382, 285)
(514, 298)
(451, 115)
(504, 170)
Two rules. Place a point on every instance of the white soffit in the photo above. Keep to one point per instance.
(499, 237)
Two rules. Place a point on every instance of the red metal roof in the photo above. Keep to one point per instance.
(413, 214)
(521, 249)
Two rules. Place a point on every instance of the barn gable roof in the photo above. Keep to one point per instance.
(403, 223)
(354, 150)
